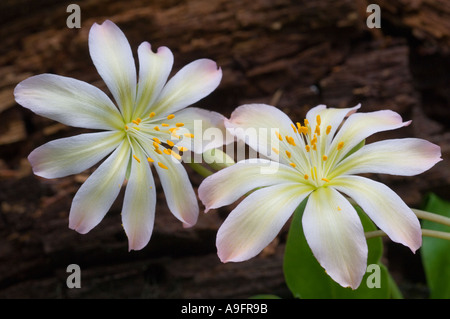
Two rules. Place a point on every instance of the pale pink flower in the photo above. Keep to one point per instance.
(143, 128)
(315, 161)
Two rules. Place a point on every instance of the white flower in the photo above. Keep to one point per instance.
(316, 161)
(149, 124)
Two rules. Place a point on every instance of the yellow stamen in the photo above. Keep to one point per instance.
(157, 150)
(156, 128)
(275, 150)
(165, 125)
(314, 147)
(328, 129)
(306, 176)
(339, 209)
(135, 122)
(179, 124)
(170, 116)
(317, 130)
(162, 165)
(177, 156)
(318, 120)
(189, 135)
(326, 180)
(138, 120)
(293, 165)
(294, 128)
(167, 151)
(170, 143)
(306, 122)
(324, 158)
(308, 148)
(278, 135)
(290, 140)
(299, 127)
(136, 158)
(288, 154)
(150, 160)
(126, 127)
(157, 140)
(152, 114)
(340, 146)
(182, 148)
(155, 145)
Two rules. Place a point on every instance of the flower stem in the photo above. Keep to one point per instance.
(425, 232)
(432, 217)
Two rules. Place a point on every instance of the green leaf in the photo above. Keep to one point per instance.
(307, 279)
(435, 252)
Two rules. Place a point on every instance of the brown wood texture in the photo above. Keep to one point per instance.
(292, 54)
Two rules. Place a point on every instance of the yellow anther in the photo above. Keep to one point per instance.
(157, 140)
(177, 156)
(173, 129)
(340, 146)
(150, 160)
(339, 209)
(136, 158)
(275, 150)
(303, 130)
(165, 124)
(328, 129)
(189, 135)
(293, 165)
(157, 150)
(170, 143)
(179, 124)
(317, 130)
(182, 148)
(162, 165)
(308, 148)
(138, 120)
(299, 127)
(314, 140)
(135, 122)
(156, 128)
(155, 145)
(126, 127)
(288, 154)
(294, 128)
(152, 114)
(314, 147)
(306, 122)
(167, 151)
(290, 140)
(326, 180)
(306, 176)
(170, 116)
(278, 135)
(318, 120)
(324, 158)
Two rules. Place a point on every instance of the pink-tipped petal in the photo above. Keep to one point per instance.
(335, 234)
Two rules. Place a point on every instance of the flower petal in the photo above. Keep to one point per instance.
(191, 84)
(138, 212)
(263, 127)
(335, 234)
(362, 125)
(73, 155)
(229, 184)
(384, 207)
(154, 69)
(257, 220)
(69, 101)
(406, 157)
(98, 192)
(207, 127)
(180, 195)
(113, 58)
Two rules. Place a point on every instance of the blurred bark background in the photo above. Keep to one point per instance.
(292, 54)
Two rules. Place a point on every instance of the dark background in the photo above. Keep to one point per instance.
(292, 54)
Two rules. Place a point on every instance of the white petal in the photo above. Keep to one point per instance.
(180, 195)
(191, 84)
(154, 69)
(113, 58)
(362, 125)
(207, 126)
(73, 155)
(98, 192)
(68, 101)
(138, 212)
(257, 220)
(229, 184)
(258, 125)
(384, 207)
(335, 234)
(406, 157)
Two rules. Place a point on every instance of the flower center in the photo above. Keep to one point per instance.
(163, 134)
(311, 156)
